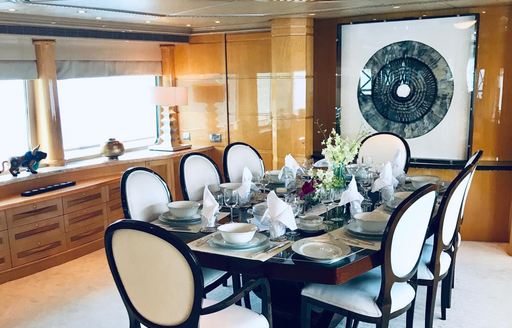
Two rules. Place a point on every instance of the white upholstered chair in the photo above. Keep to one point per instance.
(196, 171)
(437, 259)
(389, 290)
(161, 283)
(385, 146)
(144, 196)
(239, 155)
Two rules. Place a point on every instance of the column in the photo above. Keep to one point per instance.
(169, 118)
(49, 132)
(292, 89)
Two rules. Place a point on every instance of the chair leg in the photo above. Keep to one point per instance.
(452, 268)
(446, 292)
(430, 304)
(410, 315)
(305, 314)
(236, 285)
(247, 300)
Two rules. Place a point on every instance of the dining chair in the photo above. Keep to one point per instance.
(383, 147)
(196, 171)
(387, 291)
(144, 196)
(161, 282)
(437, 259)
(238, 155)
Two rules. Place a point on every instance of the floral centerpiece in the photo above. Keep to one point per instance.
(338, 152)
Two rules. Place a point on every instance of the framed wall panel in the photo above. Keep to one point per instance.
(412, 77)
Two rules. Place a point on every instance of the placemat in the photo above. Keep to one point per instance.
(259, 253)
(195, 228)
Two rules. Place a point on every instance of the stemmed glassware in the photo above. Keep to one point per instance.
(326, 199)
(366, 178)
(336, 197)
(231, 200)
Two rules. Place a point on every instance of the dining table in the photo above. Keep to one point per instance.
(286, 270)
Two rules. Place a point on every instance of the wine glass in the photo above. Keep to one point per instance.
(336, 196)
(264, 182)
(367, 161)
(231, 200)
(326, 199)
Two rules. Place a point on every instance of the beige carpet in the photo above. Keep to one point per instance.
(82, 294)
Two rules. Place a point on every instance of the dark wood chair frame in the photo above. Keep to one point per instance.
(407, 148)
(435, 265)
(388, 278)
(225, 157)
(192, 321)
(183, 160)
(124, 202)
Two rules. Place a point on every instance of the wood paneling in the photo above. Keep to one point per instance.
(5, 253)
(89, 216)
(34, 212)
(3, 221)
(85, 198)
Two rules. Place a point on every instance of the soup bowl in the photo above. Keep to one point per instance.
(237, 233)
(183, 208)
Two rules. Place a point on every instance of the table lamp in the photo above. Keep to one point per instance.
(168, 98)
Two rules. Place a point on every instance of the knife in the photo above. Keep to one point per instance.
(270, 248)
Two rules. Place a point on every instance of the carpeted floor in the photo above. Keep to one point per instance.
(82, 294)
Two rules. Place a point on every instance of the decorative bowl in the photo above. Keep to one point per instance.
(183, 208)
(375, 221)
(112, 149)
(419, 181)
(237, 233)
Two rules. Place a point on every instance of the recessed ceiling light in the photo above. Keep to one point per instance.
(54, 23)
(103, 25)
(483, 12)
(11, 10)
(188, 25)
(98, 18)
(129, 30)
(312, 14)
(81, 11)
(396, 7)
(217, 22)
(148, 22)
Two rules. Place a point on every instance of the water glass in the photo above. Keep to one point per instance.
(231, 200)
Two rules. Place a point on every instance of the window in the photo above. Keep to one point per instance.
(14, 140)
(95, 109)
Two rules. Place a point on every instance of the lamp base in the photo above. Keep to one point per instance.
(170, 148)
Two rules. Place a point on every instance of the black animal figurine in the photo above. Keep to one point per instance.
(30, 160)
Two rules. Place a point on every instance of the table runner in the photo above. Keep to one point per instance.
(259, 254)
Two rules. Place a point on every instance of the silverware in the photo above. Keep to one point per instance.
(269, 249)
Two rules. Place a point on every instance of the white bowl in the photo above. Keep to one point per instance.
(230, 185)
(375, 221)
(419, 181)
(237, 233)
(183, 208)
(311, 222)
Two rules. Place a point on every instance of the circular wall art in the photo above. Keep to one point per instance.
(406, 88)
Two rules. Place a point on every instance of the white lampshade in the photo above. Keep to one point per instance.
(170, 96)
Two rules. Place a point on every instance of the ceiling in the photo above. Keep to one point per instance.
(200, 16)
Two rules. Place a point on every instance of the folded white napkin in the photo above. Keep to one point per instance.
(352, 196)
(210, 208)
(244, 191)
(385, 179)
(397, 164)
(280, 215)
(291, 164)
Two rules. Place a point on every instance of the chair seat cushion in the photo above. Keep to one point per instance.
(359, 295)
(233, 316)
(424, 272)
(210, 275)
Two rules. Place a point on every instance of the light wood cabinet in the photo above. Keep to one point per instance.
(3, 221)
(114, 191)
(85, 234)
(163, 168)
(114, 211)
(85, 217)
(37, 240)
(90, 197)
(38, 211)
(5, 254)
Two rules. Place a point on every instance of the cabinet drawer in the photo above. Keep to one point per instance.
(114, 191)
(85, 234)
(5, 255)
(26, 214)
(114, 211)
(86, 198)
(85, 217)
(37, 240)
(3, 221)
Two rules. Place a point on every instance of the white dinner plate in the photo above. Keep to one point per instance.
(168, 218)
(356, 229)
(319, 250)
(257, 241)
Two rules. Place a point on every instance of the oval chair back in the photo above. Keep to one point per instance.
(472, 162)
(158, 277)
(403, 240)
(386, 146)
(196, 171)
(144, 194)
(239, 155)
